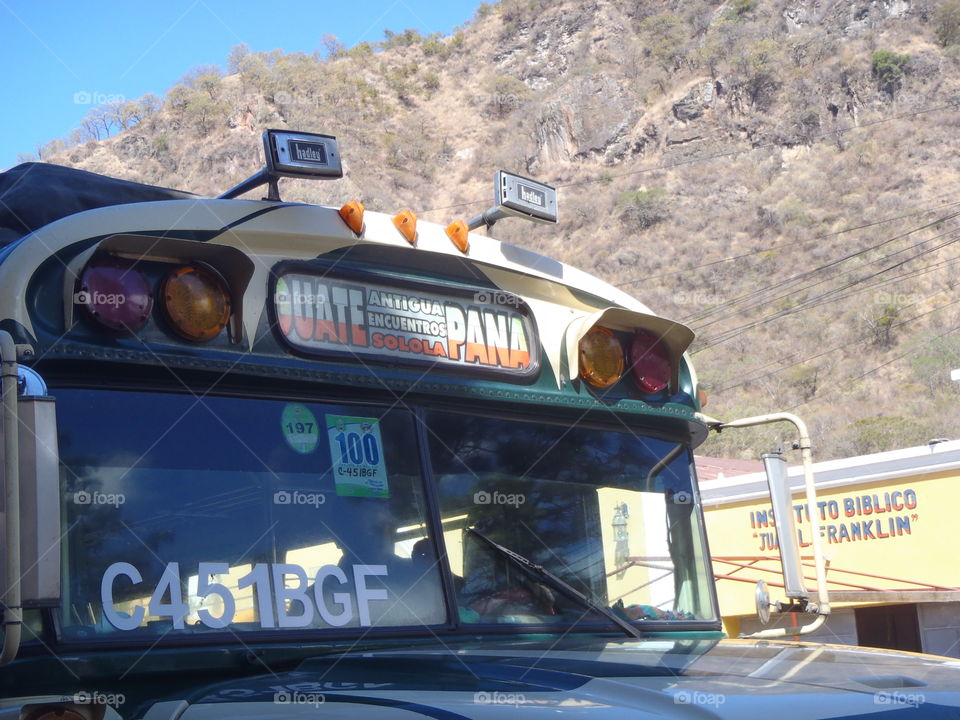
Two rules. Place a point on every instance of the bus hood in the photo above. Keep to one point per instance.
(594, 678)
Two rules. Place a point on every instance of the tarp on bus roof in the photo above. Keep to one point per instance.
(35, 194)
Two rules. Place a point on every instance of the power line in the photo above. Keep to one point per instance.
(895, 278)
(828, 294)
(823, 236)
(739, 330)
(880, 366)
(847, 345)
(730, 312)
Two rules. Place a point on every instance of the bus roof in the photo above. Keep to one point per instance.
(36, 194)
(253, 243)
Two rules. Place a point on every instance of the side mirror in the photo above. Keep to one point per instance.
(762, 597)
(39, 478)
(775, 466)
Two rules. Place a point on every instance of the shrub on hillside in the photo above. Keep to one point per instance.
(643, 209)
(889, 68)
(947, 20)
(885, 432)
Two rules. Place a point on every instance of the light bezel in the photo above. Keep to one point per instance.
(675, 336)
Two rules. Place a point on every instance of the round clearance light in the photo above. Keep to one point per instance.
(601, 357)
(114, 295)
(195, 302)
(649, 362)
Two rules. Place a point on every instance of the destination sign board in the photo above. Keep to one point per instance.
(486, 330)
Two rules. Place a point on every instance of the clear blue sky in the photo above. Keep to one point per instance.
(56, 53)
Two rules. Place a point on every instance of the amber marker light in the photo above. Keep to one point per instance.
(352, 214)
(195, 302)
(459, 233)
(601, 357)
(406, 222)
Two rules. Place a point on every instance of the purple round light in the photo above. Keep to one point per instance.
(115, 295)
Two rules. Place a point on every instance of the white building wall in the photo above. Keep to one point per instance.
(940, 628)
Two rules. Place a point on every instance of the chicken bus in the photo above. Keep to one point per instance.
(274, 459)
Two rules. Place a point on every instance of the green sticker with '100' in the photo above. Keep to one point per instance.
(300, 428)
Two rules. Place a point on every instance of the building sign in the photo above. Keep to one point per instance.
(846, 519)
(489, 331)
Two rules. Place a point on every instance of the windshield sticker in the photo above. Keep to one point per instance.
(489, 331)
(287, 596)
(300, 428)
(356, 452)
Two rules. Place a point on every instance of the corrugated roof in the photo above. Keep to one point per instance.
(711, 468)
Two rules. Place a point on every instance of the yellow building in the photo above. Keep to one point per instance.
(888, 524)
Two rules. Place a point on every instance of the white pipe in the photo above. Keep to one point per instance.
(823, 600)
(774, 633)
(13, 614)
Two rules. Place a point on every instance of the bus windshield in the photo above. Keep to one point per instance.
(189, 514)
(611, 513)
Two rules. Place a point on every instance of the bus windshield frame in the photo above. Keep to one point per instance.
(138, 462)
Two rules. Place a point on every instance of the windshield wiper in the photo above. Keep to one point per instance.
(557, 584)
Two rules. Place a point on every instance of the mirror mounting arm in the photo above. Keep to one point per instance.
(822, 606)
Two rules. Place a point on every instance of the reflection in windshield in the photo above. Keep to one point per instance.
(611, 513)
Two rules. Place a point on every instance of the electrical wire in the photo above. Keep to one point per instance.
(823, 297)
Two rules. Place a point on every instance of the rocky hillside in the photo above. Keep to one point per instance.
(779, 174)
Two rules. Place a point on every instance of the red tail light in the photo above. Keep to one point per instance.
(115, 295)
(649, 362)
